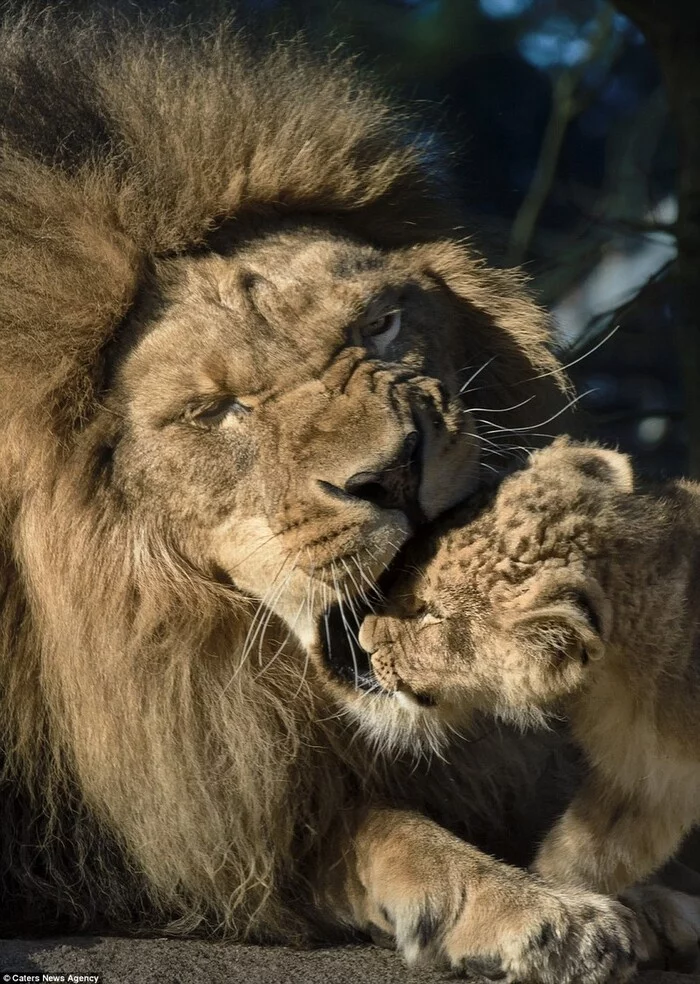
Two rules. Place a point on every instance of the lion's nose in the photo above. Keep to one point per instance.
(396, 484)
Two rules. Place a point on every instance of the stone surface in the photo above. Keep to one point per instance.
(165, 961)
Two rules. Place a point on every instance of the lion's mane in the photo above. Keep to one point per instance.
(147, 780)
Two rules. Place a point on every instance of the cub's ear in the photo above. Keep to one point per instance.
(611, 467)
(600, 464)
(565, 622)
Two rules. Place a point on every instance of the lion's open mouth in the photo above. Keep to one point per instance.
(338, 632)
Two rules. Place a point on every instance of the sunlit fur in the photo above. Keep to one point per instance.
(571, 593)
(151, 776)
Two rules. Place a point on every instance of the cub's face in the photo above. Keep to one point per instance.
(290, 413)
(450, 645)
(509, 612)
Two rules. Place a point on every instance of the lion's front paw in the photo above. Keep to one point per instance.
(582, 939)
(567, 938)
(446, 903)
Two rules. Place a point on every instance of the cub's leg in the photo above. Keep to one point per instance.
(446, 903)
(608, 840)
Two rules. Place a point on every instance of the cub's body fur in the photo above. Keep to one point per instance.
(572, 591)
(230, 290)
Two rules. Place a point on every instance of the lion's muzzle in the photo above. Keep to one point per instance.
(395, 484)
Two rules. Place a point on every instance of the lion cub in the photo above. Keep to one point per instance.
(570, 591)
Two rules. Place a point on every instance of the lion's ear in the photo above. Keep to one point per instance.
(499, 295)
(500, 324)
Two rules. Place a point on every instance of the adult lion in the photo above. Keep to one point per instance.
(234, 325)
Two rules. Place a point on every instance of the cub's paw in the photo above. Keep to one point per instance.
(669, 923)
(540, 938)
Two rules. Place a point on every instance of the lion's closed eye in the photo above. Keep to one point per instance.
(214, 413)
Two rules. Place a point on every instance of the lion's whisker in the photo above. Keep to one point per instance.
(499, 431)
(310, 596)
(491, 423)
(271, 598)
(347, 627)
(258, 623)
(311, 593)
(291, 626)
(358, 587)
(351, 605)
(499, 452)
(474, 375)
(484, 440)
(327, 627)
(575, 362)
(271, 612)
(542, 423)
(372, 586)
(259, 546)
(516, 406)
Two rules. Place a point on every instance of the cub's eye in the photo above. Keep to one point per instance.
(384, 330)
(215, 413)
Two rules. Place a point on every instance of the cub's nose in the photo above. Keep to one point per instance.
(396, 484)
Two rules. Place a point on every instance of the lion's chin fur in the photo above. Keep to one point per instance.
(393, 726)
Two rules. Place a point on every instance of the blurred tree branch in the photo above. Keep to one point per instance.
(625, 208)
(621, 312)
(673, 30)
(567, 103)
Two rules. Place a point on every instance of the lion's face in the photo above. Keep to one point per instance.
(292, 412)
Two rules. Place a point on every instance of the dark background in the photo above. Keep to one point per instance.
(554, 117)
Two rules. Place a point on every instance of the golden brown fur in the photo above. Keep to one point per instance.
(211, 429)
(570, 592)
